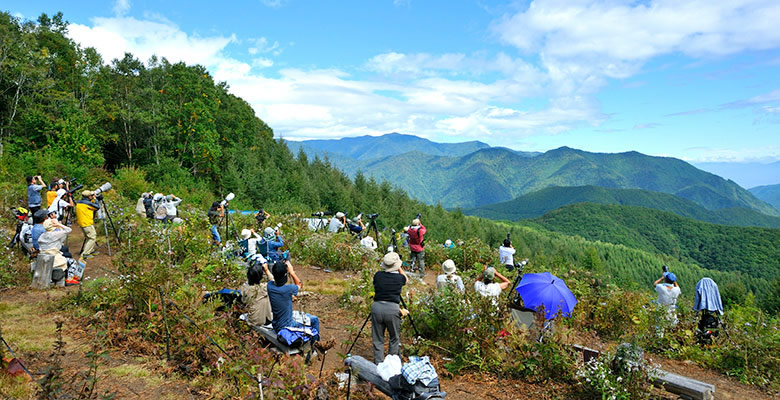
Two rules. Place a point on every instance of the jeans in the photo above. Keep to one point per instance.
(215, 234)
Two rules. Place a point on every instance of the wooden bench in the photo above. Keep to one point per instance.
(269, 334)
(366, 370)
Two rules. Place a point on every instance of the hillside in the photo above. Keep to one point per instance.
(496, 174)
(752, 251)
(376, 147)
(768, 193)
(535, 204)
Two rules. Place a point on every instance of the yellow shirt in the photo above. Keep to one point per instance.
(85, 214)
(50, 196)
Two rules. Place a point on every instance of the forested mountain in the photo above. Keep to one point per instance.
(391, 144)
(495, 174)
(535, 204)
(751, 251)
(768, 193)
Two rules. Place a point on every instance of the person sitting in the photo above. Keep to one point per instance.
(52, 241)
(171, 211)
(356, 226)
(448, 244)
(486, 286)
(668, 291)
(337, 223)
(37, 230)
(280, 294)
(506, 253)
(386, 311)
(448, 278)
(273, 239)
(255, 295)
(253, 254)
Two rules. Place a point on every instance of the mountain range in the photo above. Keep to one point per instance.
(768, 193)
(470, 178)
(538, 203)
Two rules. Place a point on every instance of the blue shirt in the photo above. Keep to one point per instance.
(34, 195)
(281, 304)
(37, 231)
(274, 245)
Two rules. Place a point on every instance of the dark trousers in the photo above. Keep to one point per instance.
(385, 315)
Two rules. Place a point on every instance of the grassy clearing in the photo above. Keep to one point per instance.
(25, 329)
(16, 388)
(135, 371)
(331, 286)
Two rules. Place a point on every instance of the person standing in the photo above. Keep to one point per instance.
(34, 193)
(386, 311)
(417, 244)
(506, 253)
(85, 217)
(668, 291)
(216, 213)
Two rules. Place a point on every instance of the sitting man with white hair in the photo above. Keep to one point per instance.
(449, 278)
(338, 222)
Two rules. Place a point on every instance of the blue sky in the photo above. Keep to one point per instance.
(697, 80)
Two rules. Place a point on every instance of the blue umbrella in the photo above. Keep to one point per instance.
(548, 290)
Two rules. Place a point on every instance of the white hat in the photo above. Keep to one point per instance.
(339, 214)
(245, 233)
(416, 222)
(158, 196)
(391, 262)
(268, 233)
(448, 267)
(448, 242)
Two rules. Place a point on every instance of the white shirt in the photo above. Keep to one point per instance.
(335, 225)
(445, 280)
(490, 290)
(667, 297)
(505, 255)
(58, 202)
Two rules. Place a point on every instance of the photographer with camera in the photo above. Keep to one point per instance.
(417, 244)
(85, 218)
(280, 294)
(338, 222)
(216, 213)
(356, 226)
(140, 205)
(272, 237)
(51, 242)
(486, 286)
(260, 217)
(668, 291)
(34, 193)
(449, 278)
(52, 193)
(506, 253)
(386, 310)
(61, 201)
(37, 230)
(171, 211)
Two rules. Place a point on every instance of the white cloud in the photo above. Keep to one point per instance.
(274, 3)
(262, 45)
(262, 62)
(121, 7)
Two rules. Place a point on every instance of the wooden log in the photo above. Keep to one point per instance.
(683, 386)
(42, 273)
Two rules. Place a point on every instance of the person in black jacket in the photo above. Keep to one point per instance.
(385, 311)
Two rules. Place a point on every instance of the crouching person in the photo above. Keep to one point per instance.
(280, 294)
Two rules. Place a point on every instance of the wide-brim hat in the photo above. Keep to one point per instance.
(245, 233)
(49, 225)
(448, 267)
(391, 262)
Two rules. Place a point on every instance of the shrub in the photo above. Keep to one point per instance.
(131, 182)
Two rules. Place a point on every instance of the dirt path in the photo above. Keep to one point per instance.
(28, 323)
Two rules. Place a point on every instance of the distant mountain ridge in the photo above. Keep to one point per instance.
(746, 174)
(495, 174)
(768, 193)
(536, 204)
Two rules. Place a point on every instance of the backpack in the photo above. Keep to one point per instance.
(148, 207)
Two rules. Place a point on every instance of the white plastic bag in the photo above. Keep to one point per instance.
(390, 367)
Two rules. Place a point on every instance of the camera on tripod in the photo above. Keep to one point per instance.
(227, 199)
(102, 189)
(322, 213)
(419, 215)
(372, 216)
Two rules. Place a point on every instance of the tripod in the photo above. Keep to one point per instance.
(517, 280)
(102, 204)
(372, 226)
(403, 304)
(228, 224)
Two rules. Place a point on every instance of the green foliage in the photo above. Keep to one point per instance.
(606, 377)
(131, 182)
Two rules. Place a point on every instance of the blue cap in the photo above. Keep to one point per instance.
(671, 277)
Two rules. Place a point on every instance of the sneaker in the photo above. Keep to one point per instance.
(95, 253)
(87, 256)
